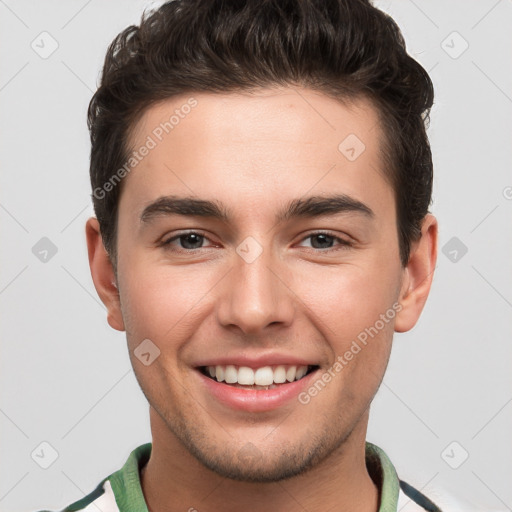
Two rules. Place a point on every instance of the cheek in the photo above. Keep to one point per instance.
(349, 298)
(162, 302)
(347, 310)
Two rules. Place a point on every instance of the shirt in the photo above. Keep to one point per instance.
(122, 492)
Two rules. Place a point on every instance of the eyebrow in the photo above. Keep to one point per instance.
(310, 207)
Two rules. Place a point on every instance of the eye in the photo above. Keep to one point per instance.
(188, 241)
(194, 240)
(323, 241)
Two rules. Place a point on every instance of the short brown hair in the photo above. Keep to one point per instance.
(344, 48)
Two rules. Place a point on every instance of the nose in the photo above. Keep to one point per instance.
(256, 295)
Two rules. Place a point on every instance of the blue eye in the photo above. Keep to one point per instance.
(325, 240)
(193, 240)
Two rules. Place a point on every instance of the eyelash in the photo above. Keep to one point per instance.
(343, 244)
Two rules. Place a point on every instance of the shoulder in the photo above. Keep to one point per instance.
(101, 498)
(435, 499)
(411, 499)
(398, 494)
(119, 490)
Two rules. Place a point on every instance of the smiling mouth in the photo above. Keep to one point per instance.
(267, 377)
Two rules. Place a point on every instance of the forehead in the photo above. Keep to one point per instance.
(286, 140)
(307, 115)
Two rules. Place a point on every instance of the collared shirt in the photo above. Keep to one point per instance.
(122, 492)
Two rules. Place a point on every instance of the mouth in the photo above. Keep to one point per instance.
(263, 378)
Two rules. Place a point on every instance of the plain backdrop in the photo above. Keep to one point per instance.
(444, 411)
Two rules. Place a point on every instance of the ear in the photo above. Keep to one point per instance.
(102, 273)
(418, 276)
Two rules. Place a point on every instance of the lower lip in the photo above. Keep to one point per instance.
(255, 400)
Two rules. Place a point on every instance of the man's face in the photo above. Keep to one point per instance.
(253, 286)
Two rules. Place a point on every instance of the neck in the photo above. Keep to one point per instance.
(339, 482)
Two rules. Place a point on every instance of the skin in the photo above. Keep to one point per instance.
(254, 153)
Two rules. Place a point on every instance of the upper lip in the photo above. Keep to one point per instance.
(273, 359)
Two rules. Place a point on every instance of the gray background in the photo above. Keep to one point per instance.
(66, 376)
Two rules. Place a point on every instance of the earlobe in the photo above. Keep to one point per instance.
(102, 273)
(418, 276)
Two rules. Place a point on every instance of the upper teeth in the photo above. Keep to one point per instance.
(264, 376)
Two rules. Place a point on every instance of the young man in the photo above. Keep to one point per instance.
(261, 179)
